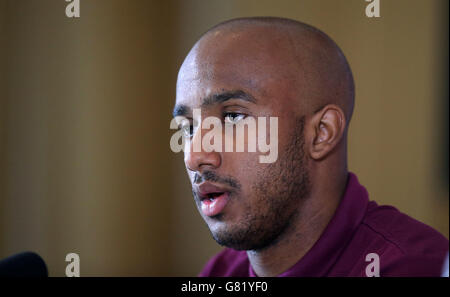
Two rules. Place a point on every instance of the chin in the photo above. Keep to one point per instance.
(230, 238)
(239, 245)
(217, 227)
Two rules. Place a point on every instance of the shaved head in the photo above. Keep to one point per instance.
(303, 58)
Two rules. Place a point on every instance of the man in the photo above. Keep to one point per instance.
(304, 214)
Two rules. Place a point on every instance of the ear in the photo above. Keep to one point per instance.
(328, 126)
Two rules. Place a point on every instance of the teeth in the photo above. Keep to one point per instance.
(211, 197)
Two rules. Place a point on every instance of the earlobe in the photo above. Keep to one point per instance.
(329, 128)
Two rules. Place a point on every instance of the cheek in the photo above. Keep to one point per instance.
(240, 165)
(285, 128)
(249, 172)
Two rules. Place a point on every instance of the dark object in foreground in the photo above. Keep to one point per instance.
(27, 264)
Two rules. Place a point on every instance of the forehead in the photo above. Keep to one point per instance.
(194, 89)
(234, 62)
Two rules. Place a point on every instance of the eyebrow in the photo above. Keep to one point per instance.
(225, 96)
(180, 110)
(183, 110)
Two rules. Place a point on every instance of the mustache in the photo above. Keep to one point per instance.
(211, 176)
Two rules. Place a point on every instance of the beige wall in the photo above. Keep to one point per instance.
(85, 108)
(87, 154)
(2, 109)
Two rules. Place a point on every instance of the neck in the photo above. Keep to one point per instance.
(312, 216)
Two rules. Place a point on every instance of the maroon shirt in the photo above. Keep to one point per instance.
(405, 247)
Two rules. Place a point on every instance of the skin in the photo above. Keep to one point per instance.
(277, 211)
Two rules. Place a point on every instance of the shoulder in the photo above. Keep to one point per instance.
(228, 262)
(406, 246)
(409, 235)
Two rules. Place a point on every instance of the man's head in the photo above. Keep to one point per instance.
(265, 67)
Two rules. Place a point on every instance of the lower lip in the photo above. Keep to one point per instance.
(212, 208)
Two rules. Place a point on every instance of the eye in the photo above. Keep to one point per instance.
(187, 128)
(233, 117)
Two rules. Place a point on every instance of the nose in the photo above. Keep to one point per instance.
(200, 160)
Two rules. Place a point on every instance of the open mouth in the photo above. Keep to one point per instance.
(211, 197)
(214, 203)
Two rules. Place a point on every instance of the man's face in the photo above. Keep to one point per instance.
(246, 204)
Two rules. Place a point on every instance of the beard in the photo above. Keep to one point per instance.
(278, 191)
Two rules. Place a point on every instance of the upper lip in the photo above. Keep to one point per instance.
(207, 188)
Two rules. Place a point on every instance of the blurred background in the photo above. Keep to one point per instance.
(85, 107)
